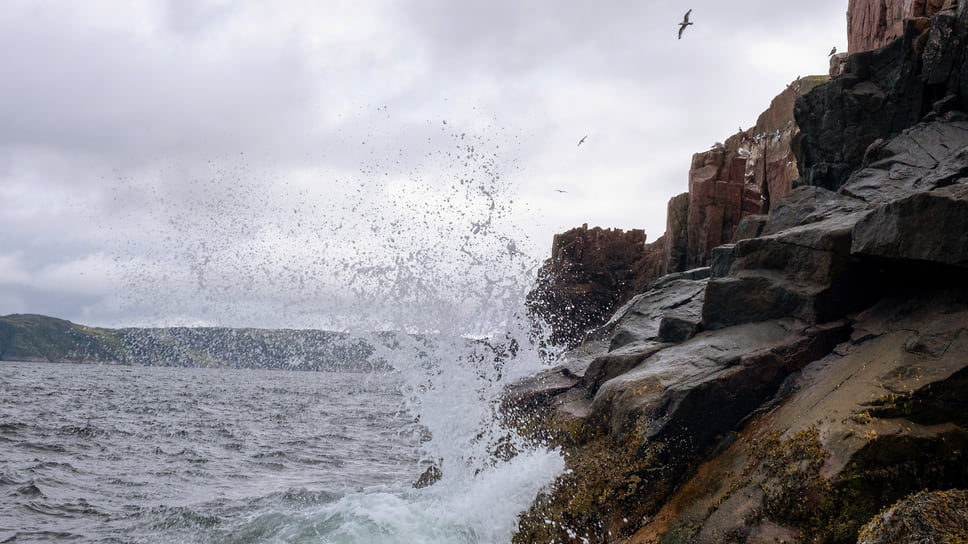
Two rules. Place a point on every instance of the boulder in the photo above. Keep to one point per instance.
(750, 227)
(806, 205)
(658, 392)
(921, 158)
(722, 260)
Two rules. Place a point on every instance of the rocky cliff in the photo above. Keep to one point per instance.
(732, 185)
(740, 177)
(811, 384)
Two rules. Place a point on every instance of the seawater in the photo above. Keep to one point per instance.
(157, 454)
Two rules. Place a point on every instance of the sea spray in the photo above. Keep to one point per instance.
(426, 261)
(459, 337)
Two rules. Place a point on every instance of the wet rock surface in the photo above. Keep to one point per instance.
(819, 374)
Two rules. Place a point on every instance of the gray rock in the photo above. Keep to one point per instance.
(639, 320)
(802, 272)
(722, 258)
(616, 363)
(680, 324)
(806, 204)
(750, 227)
(700, 273)
(924, 157)
(709, 382)
(928, 226)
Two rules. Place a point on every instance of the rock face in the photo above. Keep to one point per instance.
(743, 176)
(719, 196)
(590, 273)
(880, 93)
(875, 23)
(817, 373)
(593, 271)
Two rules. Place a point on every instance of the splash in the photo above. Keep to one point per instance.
(418, 250)
(452, 279)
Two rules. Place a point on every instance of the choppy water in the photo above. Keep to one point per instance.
(142, 454)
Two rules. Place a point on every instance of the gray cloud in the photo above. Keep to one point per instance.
(266, 164)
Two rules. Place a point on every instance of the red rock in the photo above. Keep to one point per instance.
(875, 23)
(590, 274)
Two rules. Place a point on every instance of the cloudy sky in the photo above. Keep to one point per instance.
(296, 163)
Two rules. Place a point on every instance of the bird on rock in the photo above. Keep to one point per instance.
(685, 22)
(832, 51)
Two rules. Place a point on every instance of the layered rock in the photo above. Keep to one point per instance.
(719, 196)
(851, 433)
(592, 272)
(818, 374)
(831, 346)
(741, 177)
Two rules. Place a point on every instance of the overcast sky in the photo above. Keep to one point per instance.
(291, 164)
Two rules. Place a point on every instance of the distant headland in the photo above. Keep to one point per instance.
(31, 337)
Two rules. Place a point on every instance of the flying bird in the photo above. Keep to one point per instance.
(582, 140)
(685, 22)
(561, 190)
(832, 51)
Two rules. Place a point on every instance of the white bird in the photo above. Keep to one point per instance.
(685, 22)
(743, 153)
(717, 145)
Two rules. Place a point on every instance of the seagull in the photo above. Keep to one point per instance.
(832, 51)
(717, 145)
(582, 140)
(743, 153)
(685, 22)
(561, 190)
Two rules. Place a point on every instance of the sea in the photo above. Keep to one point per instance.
(133, 454)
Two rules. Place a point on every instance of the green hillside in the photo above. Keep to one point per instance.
(28, 337)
